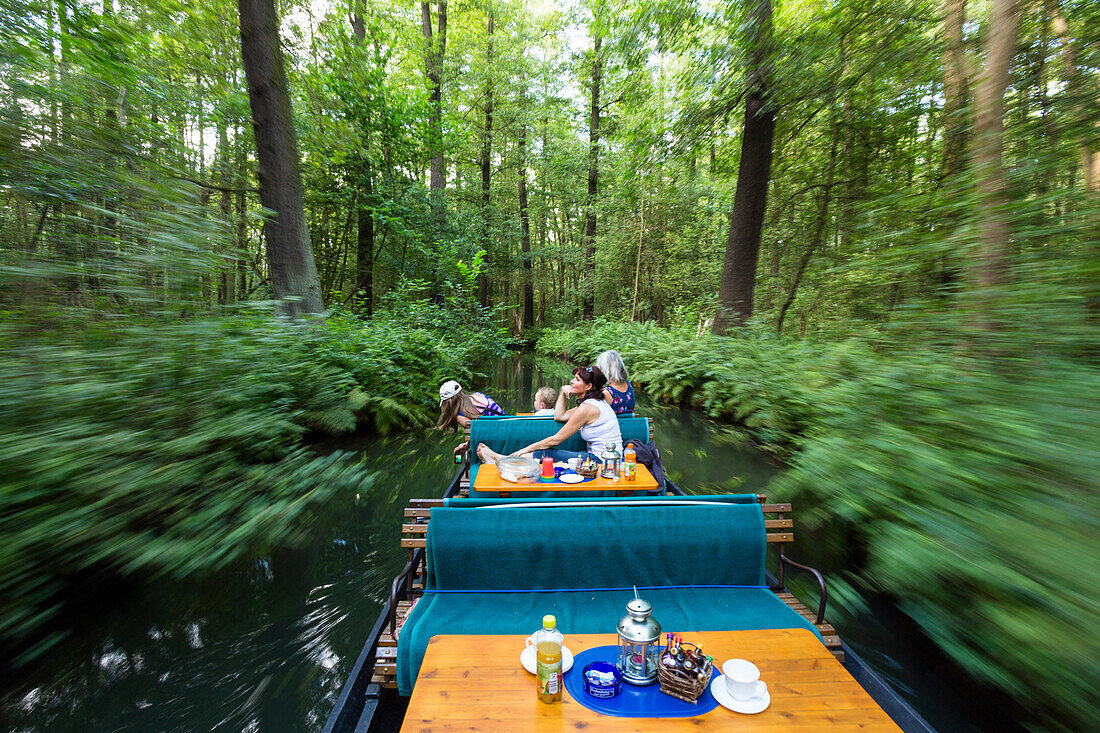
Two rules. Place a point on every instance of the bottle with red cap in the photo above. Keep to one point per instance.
(630, 463)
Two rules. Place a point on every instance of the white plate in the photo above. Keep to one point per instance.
(527, 659)
(756, 704)
(570, 478)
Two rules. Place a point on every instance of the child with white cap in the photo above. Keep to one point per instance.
(457, 407)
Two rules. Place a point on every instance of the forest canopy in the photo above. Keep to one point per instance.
(573, 160)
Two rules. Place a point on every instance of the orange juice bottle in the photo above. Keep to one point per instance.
(630, 463)
(548, 660)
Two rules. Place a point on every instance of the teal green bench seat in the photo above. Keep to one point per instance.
(474, 503)
(509, 434)
(499, 569)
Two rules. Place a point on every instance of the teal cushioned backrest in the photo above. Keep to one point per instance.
(634, 428)
(515, 547)
(514, 500)
(509, 434)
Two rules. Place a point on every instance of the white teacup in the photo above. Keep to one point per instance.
(573, 463)
(530, 641)
(742, 679)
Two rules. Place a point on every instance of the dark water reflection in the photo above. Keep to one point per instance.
(266, 645)
(261, 646)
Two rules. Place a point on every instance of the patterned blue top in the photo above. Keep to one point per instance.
(622, 403)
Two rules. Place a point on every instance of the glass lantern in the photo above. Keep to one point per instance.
(610, 460)
(639, 643)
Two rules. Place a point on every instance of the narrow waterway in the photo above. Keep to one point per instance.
(266, 645)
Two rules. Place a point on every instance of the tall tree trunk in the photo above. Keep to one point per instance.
(1089, 161)
(593, 181)
(486, 168)
(293, 272)
(846, 206)
(364, 252)
(525, 224)
(638, 259)
(64, 37)
(358, 22)
(955, 123)
(434, 54)
(241, 218)
(226, 291)
(750, 200)
(364, 237)
(988, 260)
(565, 229)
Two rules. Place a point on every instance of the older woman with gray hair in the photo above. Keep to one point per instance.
(618, 393)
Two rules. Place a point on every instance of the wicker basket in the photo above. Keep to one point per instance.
(588, 470)
(683, 685)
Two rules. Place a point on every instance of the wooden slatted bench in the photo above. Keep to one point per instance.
(779, 529)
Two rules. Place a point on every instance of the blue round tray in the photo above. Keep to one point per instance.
(632, 701)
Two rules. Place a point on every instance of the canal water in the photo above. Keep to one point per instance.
(266, 645)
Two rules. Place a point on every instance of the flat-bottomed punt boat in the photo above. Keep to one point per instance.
(486, 567)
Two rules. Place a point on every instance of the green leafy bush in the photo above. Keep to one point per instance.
(977, 495)
(398, 360)
(971, 481)
(141, 446)
(154, 449)
(766, 385)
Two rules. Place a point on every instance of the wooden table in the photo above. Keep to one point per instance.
(488, 479)
(476, 683)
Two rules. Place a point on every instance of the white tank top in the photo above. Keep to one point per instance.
(603, 431)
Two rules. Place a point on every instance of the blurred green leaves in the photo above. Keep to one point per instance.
(144, 445)
(971, 477)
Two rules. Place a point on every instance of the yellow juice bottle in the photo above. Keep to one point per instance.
(548, 660)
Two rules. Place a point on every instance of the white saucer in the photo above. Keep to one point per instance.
(570, 478)
(751, 706)
(527, 659)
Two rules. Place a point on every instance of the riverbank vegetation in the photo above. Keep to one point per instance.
(136, 446)
(146, 433)
(970, 486)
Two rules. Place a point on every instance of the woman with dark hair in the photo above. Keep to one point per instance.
(592, 418)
